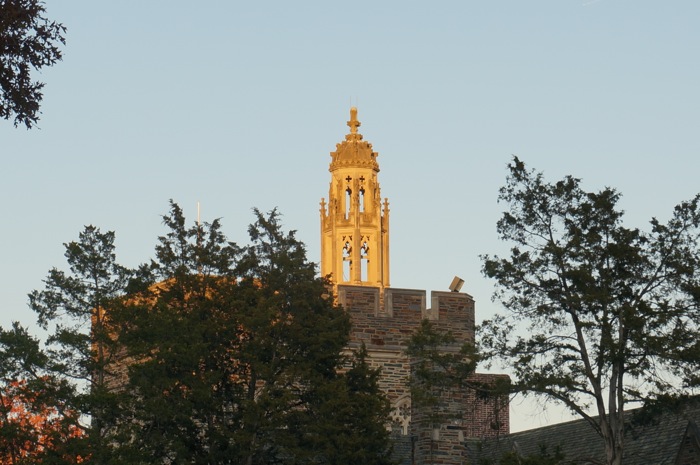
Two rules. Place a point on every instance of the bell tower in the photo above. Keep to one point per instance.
(355, 222)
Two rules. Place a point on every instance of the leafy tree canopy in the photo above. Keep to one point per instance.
(210, 352)
(37, 424)
(80, 346)
(598, 314)
(240, 358)
(28, 40)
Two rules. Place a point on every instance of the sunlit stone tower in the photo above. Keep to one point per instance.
(355, 222)
(355, 252)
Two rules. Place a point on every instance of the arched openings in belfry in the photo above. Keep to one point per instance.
(356, 202)
(348, 202)
(354, 222)
(364, 260)
(347, 260)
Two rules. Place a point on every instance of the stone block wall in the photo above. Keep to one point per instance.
(472, 412)
(384, 322)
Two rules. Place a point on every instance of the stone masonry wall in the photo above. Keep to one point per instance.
(479, 415)
(384, 322)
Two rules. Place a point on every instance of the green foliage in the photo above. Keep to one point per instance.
(237, 358)
(80, 345)
(21, 356)
(27, 40)
(350, 417)
(72, 305)
(599, 315)
(439, 366)
(209, 353)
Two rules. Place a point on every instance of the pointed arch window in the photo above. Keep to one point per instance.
(401, 414)
(364, 261)
(347, 261)
(348, 202)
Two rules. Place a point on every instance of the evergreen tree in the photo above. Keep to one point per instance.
(236, 357)
(347, 418)
(438, 366)
(211, 353)
(80, 345)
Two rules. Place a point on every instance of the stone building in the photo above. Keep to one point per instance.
(355, 253)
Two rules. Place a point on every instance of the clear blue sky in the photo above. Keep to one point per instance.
(238, 104)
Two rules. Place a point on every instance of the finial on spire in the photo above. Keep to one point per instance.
(353, 123)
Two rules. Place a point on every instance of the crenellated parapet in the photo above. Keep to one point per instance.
(388, 320)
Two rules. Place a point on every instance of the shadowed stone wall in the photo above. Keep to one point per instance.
(384, 322)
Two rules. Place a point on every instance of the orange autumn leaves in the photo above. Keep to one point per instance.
(33, 429)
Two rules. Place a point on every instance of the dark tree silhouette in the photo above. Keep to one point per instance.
(28, 40)
(599, 315)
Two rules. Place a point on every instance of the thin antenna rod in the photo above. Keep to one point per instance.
(199, 239)
(199, 226)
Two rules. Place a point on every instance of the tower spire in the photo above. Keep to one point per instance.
(354, 222)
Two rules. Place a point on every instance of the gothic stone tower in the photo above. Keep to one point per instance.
(354, 223)
(355, 252)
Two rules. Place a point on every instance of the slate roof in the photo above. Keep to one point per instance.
(670, 438)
